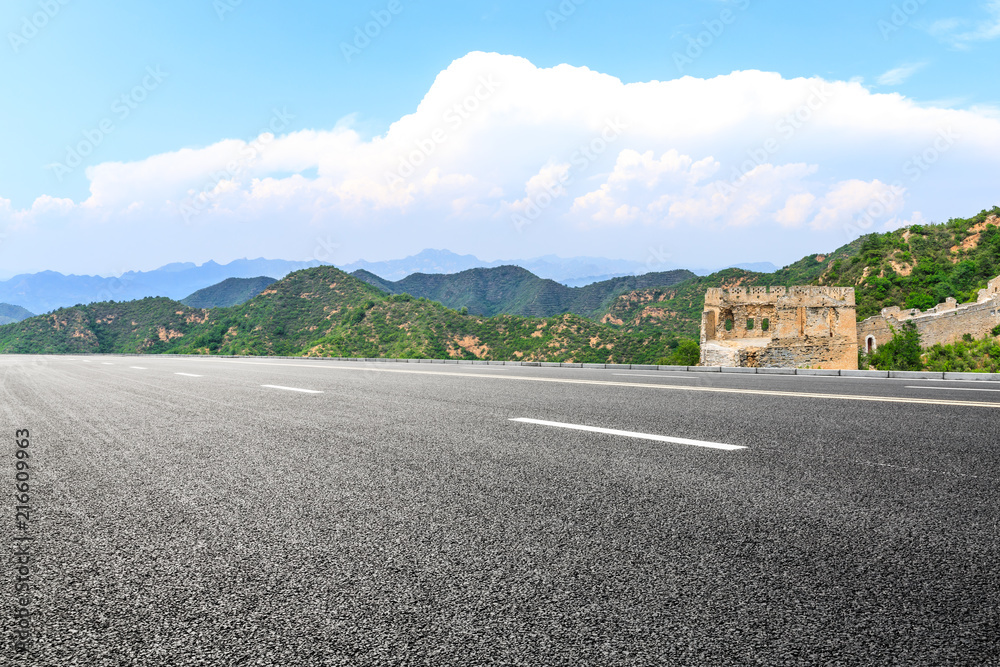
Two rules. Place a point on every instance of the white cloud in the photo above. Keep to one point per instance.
(961, 33)
(711, 163)
(899, 75)
(797, 210)
(848, 200)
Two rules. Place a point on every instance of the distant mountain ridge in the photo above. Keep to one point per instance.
(230, 292)
(512, 290)
(49, 290)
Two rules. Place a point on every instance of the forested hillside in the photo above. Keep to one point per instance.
(916, 267)
(324, 311)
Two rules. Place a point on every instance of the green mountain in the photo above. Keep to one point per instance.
(10, 314)
(916, 267)
(230, 292)
(323, 311)
(511, 290)
(150, 325)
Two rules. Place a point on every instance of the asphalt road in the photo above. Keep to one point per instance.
(211, 512)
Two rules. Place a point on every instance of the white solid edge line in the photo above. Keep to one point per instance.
(303, 391)
(138, 368)
(669, 377)
(633, 434)
(190, 375)
(955, 389)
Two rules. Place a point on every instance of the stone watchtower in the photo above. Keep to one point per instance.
(794, 327)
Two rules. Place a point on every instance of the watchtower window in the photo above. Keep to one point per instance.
(729, 325)
(765, 324)
(750, 324)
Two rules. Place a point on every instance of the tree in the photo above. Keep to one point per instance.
(902, 353)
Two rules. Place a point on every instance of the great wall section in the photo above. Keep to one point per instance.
(816, 327)
(945, 323)
(778, 327)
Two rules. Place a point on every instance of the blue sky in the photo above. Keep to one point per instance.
(222, 69)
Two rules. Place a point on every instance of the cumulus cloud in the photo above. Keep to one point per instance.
(506, 159)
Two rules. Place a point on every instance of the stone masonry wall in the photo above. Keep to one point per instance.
(946, 323)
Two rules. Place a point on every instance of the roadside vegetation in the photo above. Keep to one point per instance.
(966, 356)
(904, 353)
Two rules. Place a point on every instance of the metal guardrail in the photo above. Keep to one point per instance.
(910, 375)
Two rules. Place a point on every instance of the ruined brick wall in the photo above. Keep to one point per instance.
(946, 323)
(795, 327)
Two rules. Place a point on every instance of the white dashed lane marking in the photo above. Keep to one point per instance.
(302, 391)
(633, 434)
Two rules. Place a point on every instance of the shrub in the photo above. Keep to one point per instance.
(687, 353)
(996, 330)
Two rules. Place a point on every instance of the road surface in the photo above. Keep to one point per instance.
(280, 512)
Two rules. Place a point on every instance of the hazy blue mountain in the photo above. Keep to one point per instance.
(560, 269)
(10, 314)
(230, 292)
(48, 290)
